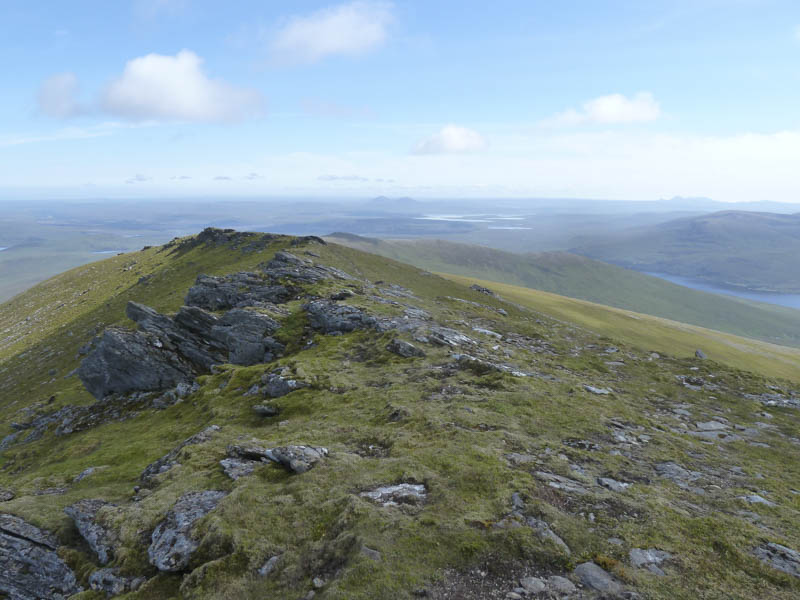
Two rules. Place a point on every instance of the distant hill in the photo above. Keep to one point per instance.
(740, 249)
(587, 279)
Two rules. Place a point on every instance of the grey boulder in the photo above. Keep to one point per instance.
(30, 568)
(172, 546)
(596, 578)
(331, 318)
(779, 557)
(404, 349)
(84, 514)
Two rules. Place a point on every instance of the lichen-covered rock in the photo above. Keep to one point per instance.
(236, 468)
(394, 495)
(6, 495)
(30, 568)
(331, 318)
(276, 385)
(235, 290)
(112, 583)
(84, 514)
(172, 546)
(297, 459)
(404, 349)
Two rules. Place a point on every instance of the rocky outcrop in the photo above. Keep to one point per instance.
(166, 352)
(84, 514)
(279, 383)
(331, 318)
(236, 290)
(30, 568)
(779, 557)
(394, 495)
(295, 459)
(172, 545)
(404, 349)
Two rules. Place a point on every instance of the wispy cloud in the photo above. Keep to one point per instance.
(346, 29)
(252, 176)
(223, 178)
(138, 178)
(452, 139)
(58, 96)
(609, 110)
(67, 133)
(342, 178)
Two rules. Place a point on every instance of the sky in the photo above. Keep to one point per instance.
(616, 99)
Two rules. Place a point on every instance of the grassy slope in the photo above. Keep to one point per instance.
(734, 248)
(453, 442)
(661, 335)
(586, 279)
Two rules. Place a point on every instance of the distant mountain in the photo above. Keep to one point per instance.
(752, 250)
(587, 279)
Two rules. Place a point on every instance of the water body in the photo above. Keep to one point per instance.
(789, 300)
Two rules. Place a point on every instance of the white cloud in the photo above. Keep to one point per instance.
(58, 96)
(346, 29)
(158, 87)
(611, 109)
(451, 139)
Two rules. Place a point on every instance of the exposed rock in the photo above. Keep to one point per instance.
(166, 462)
(297, 459)
(597, 390)
(544, 532)
(481, 367)
(30, 568)
(285, 265)
(404, 349)
(331, 318)
(711, 426)
(100, 540)
(649, 559)
(265, 410)
(780, 558)
(84, 474)
(394, 495)
(444, 336)
(236, 290)
(560, 482)
(532, 585)
(613, 484)
(560, 585)
(171, 545)
(371, 554)
(6, 495)
(756, 499)
(246, 336)
(700, 354)
(112, 583)
(482, 290)
(268, 566)
(596, 578)
(276, 385)
(237, 467)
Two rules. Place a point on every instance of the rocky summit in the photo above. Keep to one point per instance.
(242, 415)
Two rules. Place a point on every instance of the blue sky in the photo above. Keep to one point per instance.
(616, 99)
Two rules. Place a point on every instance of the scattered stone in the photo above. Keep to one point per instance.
(613, 484)
(110, 582)
(84, 474)
(558, 482)
(700, 354)
(172, 546)
(331, 318)
(532, 585)
(756, 499)
(6, 495)
(318, 582)
(394, 495)
(780, 558)
(30, 568)
(597, 390)
(269, 566)
(542, 529)
(444, 336)
(404, 349)
(84, 514)
(296, 459)
(276, 385)
(237, 467)
(649, 559)
(560, 585)
(265, 410)
(371, 554)
(711, 426)
(592, 576)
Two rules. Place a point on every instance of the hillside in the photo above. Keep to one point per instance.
(580, 277)
(729, 248)
(278, 417)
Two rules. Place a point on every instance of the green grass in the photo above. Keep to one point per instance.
(579, 277)
(452, 433)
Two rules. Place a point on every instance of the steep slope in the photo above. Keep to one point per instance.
(415, 438)
(730, 248)
(579, 277)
